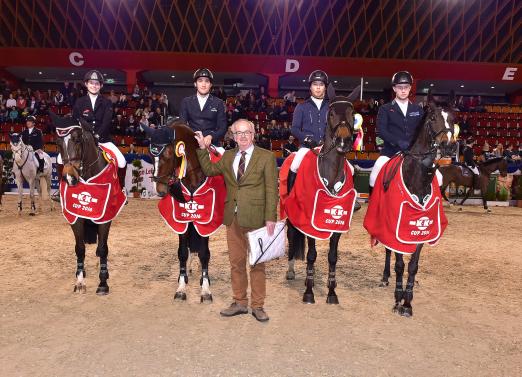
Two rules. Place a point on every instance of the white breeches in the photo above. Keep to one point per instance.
(113, 148)
(379, 163)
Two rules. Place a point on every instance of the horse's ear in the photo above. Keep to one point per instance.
(331, 92)
(431, 100)
(355, 93)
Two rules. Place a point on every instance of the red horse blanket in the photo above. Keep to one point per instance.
(99, 199)
(396, 219)
(204, 208)
(310, 206)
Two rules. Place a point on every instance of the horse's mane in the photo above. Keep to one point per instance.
(492, 161)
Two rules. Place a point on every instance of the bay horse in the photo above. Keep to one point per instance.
(164, 150)
(25, 167)
(456, 174)
(83, 159)
(434, 135)
(331, 165)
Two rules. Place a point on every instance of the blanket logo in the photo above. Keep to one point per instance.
(336, 212)
(84, 198)
(191, 208)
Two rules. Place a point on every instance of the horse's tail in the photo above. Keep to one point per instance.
(90, 232)
(296, 242)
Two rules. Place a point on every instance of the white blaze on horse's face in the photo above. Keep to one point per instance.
(445, 116)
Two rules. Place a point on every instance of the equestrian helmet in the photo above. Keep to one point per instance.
(318, 75)
(402, 77)
(93, 75)
(203, 72)
(30, 118)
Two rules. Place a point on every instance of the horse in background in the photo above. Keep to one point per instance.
(84, 160)
(179, 180)
(333, 174)
(462, 176)
(25, 167)
(416, 168)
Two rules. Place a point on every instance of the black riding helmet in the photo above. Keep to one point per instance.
(93, 75)
(402, 77)
(30, 118)
(318, 75)
(203, 72)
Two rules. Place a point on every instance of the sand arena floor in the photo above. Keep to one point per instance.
(467, 307)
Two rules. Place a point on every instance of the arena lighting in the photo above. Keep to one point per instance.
(304, 80)
(172, 76)
(335, 81)
(492, 87)
(432, 84)
(72, 73)
(366, 82)
(462, 86)
(40, 73)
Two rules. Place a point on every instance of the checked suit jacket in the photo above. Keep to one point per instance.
(255, 195)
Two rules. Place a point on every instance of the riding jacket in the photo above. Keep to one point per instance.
(34, 139)
(395, 129)
(468, 156)
(210, 121)
(100, 118)
(310, 121)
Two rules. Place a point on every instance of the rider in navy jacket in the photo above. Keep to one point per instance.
(204, 112)
(396, 129)
(33, 136)
(309, 118)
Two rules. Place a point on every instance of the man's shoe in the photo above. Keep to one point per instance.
(234, 309)
(260, 314)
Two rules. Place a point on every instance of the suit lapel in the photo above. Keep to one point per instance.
(251, 163)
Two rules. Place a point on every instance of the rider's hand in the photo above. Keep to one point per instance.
(200, 139)
(208, 140)
(403, 145)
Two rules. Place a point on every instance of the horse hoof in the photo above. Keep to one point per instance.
(460, 209)
(397, 308)
(406, 311)
(180, 296)
(102, 290)
(207, 298)
(332, 300)
(308, 298)
(290, 275)
(32, 214)
(384, 283)
(80, 288)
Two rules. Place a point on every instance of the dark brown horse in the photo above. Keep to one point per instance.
(166, 178)
(338, 138)
(436, 134)
(83, 159)
(462, 176)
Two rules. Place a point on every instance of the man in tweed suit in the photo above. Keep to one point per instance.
(250, 176)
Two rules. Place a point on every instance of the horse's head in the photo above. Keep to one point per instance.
(76, 144)
(443, 132)
(16, 142)
(168, 151)
(340, 122)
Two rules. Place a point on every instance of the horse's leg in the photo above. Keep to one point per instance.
(20, 186)
(183, 253)
(483, 191)
(32, 184)
(332, 262)
(311, 256)
(413, 266)
(51, 201)
(102, 251)
(399, 271)
(295, 248)
(466, 196)
(79, 248)
(386, 273)
(204, 282)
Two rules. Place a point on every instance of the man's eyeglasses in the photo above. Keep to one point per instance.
(243, 133)
(403, 87)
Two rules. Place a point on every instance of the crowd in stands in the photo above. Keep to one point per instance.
(489, 125)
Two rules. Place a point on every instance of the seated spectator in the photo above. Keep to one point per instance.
(464, 125)
(289, 146)
(510, 154)
(485, 151)
(136, 93)
(132, 125)
(11, 102)
(21, 103)
(122, 101)
(264, 142)
(113, 97)
(58, 98)
(119, 125)
(3, 114)
(290, 97)
(499, 150)
(13, 115)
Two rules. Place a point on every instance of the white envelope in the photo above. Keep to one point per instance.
(264, 248)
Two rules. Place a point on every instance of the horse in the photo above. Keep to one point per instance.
(436, 134)
(332, 171)
(462, 176)
(177, 178)
(82, 160)
(25, 167)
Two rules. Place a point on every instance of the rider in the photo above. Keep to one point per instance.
(96, 110)
(397, 122)
(469, 156)
(203, 111)
(33, 136)
(309, 119)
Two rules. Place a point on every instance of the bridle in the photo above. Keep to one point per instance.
(341, 124)
(62, 134)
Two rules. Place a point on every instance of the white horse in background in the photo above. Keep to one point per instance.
(25, 166)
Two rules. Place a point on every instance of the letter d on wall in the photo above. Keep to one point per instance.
(292, 65)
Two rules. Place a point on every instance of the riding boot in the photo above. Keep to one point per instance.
(122, 172)
(40, 164)
(290, 180)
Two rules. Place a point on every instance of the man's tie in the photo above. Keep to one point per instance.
(241, 167)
